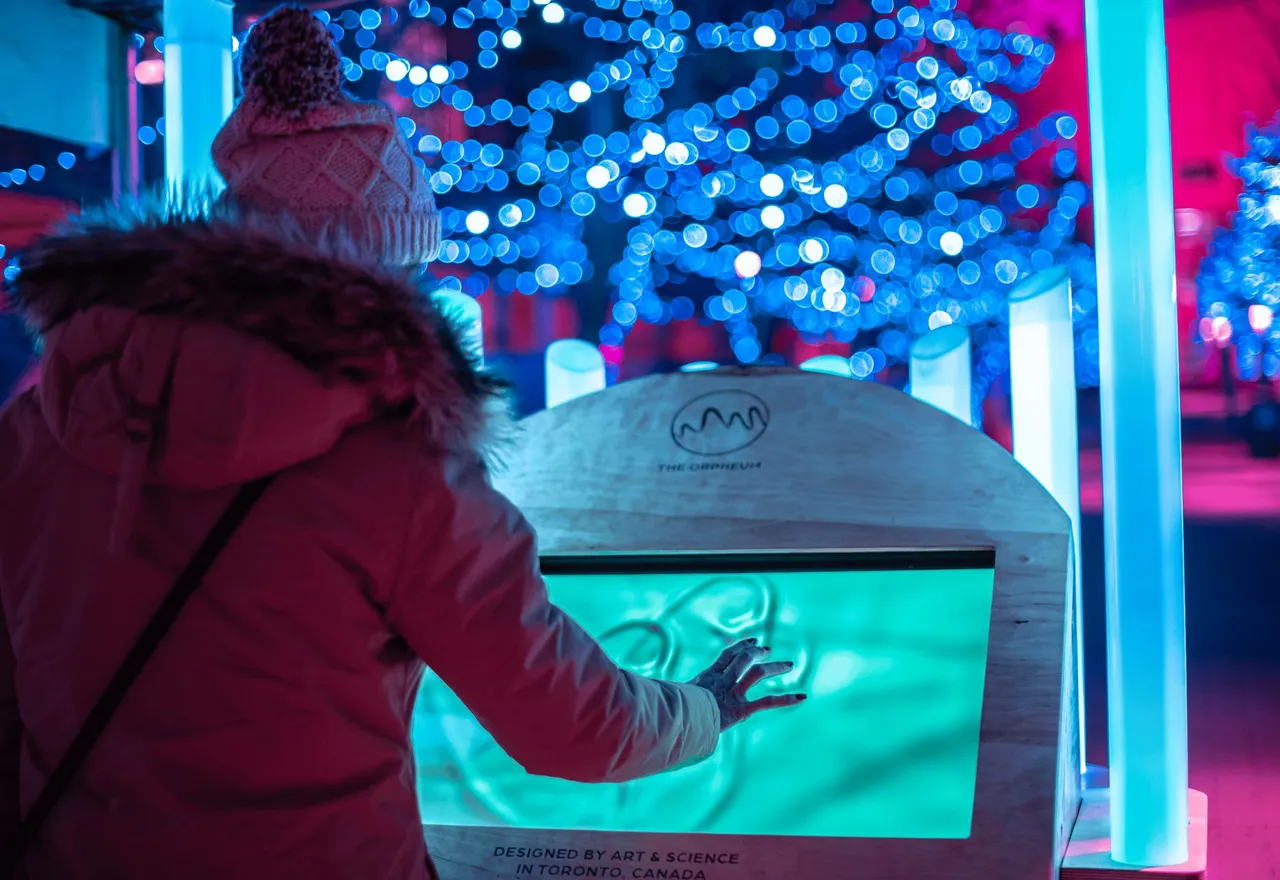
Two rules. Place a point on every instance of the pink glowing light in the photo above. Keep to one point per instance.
(864, 287)
(149, 72)
(1216, 331)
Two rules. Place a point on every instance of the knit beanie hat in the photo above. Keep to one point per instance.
(297, 145)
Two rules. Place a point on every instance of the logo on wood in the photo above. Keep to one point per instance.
(720, 422)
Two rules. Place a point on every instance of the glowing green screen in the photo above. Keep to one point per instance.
(885, 746)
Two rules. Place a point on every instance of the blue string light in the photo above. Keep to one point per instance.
(822, 188)
(16, 177)
(752, 203)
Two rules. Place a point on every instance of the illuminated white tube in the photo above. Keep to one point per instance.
(940, 371)
(198, 92)
(464, 313)
(574, 368)
(1042, 380)
(1141, 440)
(832, 364)
(699, 367)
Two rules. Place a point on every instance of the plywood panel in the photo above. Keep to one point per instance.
(781, 460)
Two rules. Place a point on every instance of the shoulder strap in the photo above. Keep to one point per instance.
(100, 715)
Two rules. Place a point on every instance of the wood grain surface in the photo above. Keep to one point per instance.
(780, 460)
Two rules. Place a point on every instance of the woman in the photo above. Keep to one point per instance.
(191, 351)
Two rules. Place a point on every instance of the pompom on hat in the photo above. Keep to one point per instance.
(297, 145)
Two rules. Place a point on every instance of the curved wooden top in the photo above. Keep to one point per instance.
(730, 459)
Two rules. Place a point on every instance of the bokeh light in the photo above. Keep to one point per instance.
(860, 180)
(1239, 279)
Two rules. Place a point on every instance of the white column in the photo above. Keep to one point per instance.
(941, 371)
(832, 364)
(1042, 379)
(1141, 441)
(464, 313)
(574, 368)
(198, 92)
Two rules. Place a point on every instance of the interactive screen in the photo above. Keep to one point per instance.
(891, 651)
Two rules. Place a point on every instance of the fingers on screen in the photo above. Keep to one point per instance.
(744, 661)
(728, 655)
(761, 671)
(774, 701)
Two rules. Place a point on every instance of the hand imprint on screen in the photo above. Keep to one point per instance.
(738, 669)
(671, 637)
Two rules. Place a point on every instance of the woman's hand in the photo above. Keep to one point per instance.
(736, 671)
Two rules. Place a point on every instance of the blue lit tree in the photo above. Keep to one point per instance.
(852, 170)
(1239, 280)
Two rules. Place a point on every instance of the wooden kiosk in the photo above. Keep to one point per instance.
(726, 464)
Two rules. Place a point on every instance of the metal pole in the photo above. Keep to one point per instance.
(941, 371)
(1141, 443)
(198, 91)
(127, 165)
(574, 367)
(1042, 385)
(834, 364)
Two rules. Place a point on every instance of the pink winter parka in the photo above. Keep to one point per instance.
(269, 736)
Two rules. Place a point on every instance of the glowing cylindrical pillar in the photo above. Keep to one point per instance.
(198, 91)
(1141, 444)
(832, 364)
(574, 368)
(464, 313)
(1042, 380)
(940, 371)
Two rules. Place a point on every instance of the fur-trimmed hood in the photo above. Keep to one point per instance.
(179, 302)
